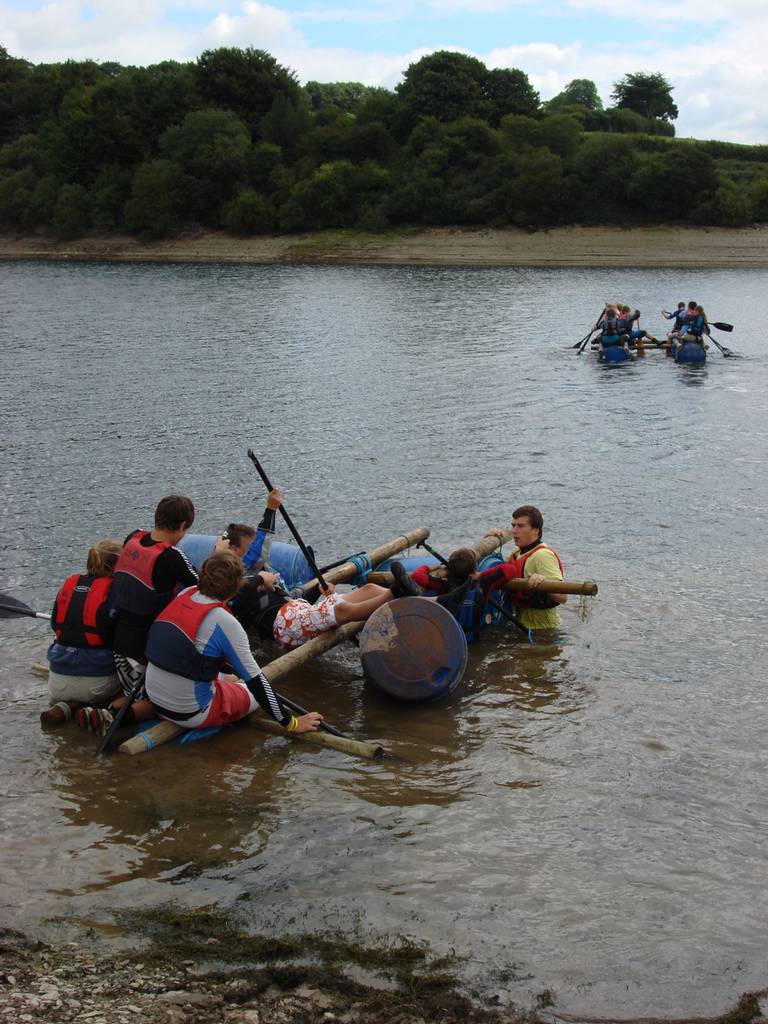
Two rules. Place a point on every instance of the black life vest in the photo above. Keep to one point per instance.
(77, 608)
(134, 590)
(171, 639)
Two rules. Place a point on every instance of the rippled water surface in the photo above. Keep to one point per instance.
(589, 817)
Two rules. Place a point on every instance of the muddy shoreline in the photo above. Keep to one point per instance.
(663, 246)
(230, 978)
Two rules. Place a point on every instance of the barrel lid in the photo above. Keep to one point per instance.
(413, 649)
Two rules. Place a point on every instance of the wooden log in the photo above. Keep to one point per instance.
(163, 732)
(588, 587)
(348, 571)
(301, 655)
(372, 751)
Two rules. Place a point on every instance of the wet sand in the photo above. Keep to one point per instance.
(665, 246)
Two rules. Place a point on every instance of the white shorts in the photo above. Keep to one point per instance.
(95, 690)
(299, 621)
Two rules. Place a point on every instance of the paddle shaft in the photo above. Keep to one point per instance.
(12, 607)
(289, 522)
(583, 342)
(491, 601)
(122, 711)
(723, 348)
(303, 711)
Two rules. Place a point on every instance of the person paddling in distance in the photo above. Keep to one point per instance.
(536, 562)
(191, 641)
(149, 573)
(82, 665)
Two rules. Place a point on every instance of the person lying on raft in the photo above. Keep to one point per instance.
(535, 562)
(82, 665)
(464, 591)
(189, 644)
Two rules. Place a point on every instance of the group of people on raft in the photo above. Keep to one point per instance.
(142, 625)
(619, 325)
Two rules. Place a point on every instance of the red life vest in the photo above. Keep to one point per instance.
(171, 640)
(524, 597)
(77, 607)
(134, 589)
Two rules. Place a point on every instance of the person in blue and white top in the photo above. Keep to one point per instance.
(192, 641)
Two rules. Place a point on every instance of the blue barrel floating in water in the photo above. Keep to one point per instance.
(614, 354)
(501, 596)
(413, 649)
(286, 559)
(690, 352)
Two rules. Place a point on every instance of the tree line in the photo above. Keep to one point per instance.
(232, 140)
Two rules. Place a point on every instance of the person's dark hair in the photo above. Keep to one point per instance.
(533, 514)
(221, 575)
(174, 510)
(237, 533)
(692, 304)
(462, 563)
(681, 305)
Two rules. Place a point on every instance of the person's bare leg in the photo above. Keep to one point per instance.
(363, 605)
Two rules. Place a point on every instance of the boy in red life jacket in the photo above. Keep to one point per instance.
(189, 645)
(148, 575)
(537, 562)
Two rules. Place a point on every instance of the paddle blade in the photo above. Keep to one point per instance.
(10, 607)
(723, 327)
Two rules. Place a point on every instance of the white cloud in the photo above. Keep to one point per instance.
(720, 77)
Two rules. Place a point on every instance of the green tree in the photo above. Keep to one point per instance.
(71, 215)
(670, 185)
(286, 124)
(510, 92)
(647, 94)
(157, 206)
(249, 213)
(244, 81)
(213, 148)
(445, 85)
(581, 92)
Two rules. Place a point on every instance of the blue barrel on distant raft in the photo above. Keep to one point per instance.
(689, 352)
(286, 559)
(614, 354)
(414, 650)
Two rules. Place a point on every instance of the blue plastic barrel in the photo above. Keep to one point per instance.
(197, 546)
(411, 562)
(500, 596)
(614, 354)
(289, 561)
(285, 559)
(414, 650)
(690, 352)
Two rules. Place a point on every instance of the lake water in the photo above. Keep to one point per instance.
(589, 817)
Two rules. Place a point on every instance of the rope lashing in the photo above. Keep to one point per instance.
(362, 564)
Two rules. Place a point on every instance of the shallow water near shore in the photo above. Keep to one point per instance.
(587, 816)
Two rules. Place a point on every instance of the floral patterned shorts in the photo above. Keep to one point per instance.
(299, 621)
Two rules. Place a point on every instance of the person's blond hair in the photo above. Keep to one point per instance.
(221, 575)
(103, 556)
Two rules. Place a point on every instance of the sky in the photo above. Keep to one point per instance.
(715, 56)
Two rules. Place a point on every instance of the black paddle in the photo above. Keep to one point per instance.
(491, 601)
(289, 522)
(303, 711)
(723, 348)
(723, 327)
(582, 344)
(9, 607)
(122, 711)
